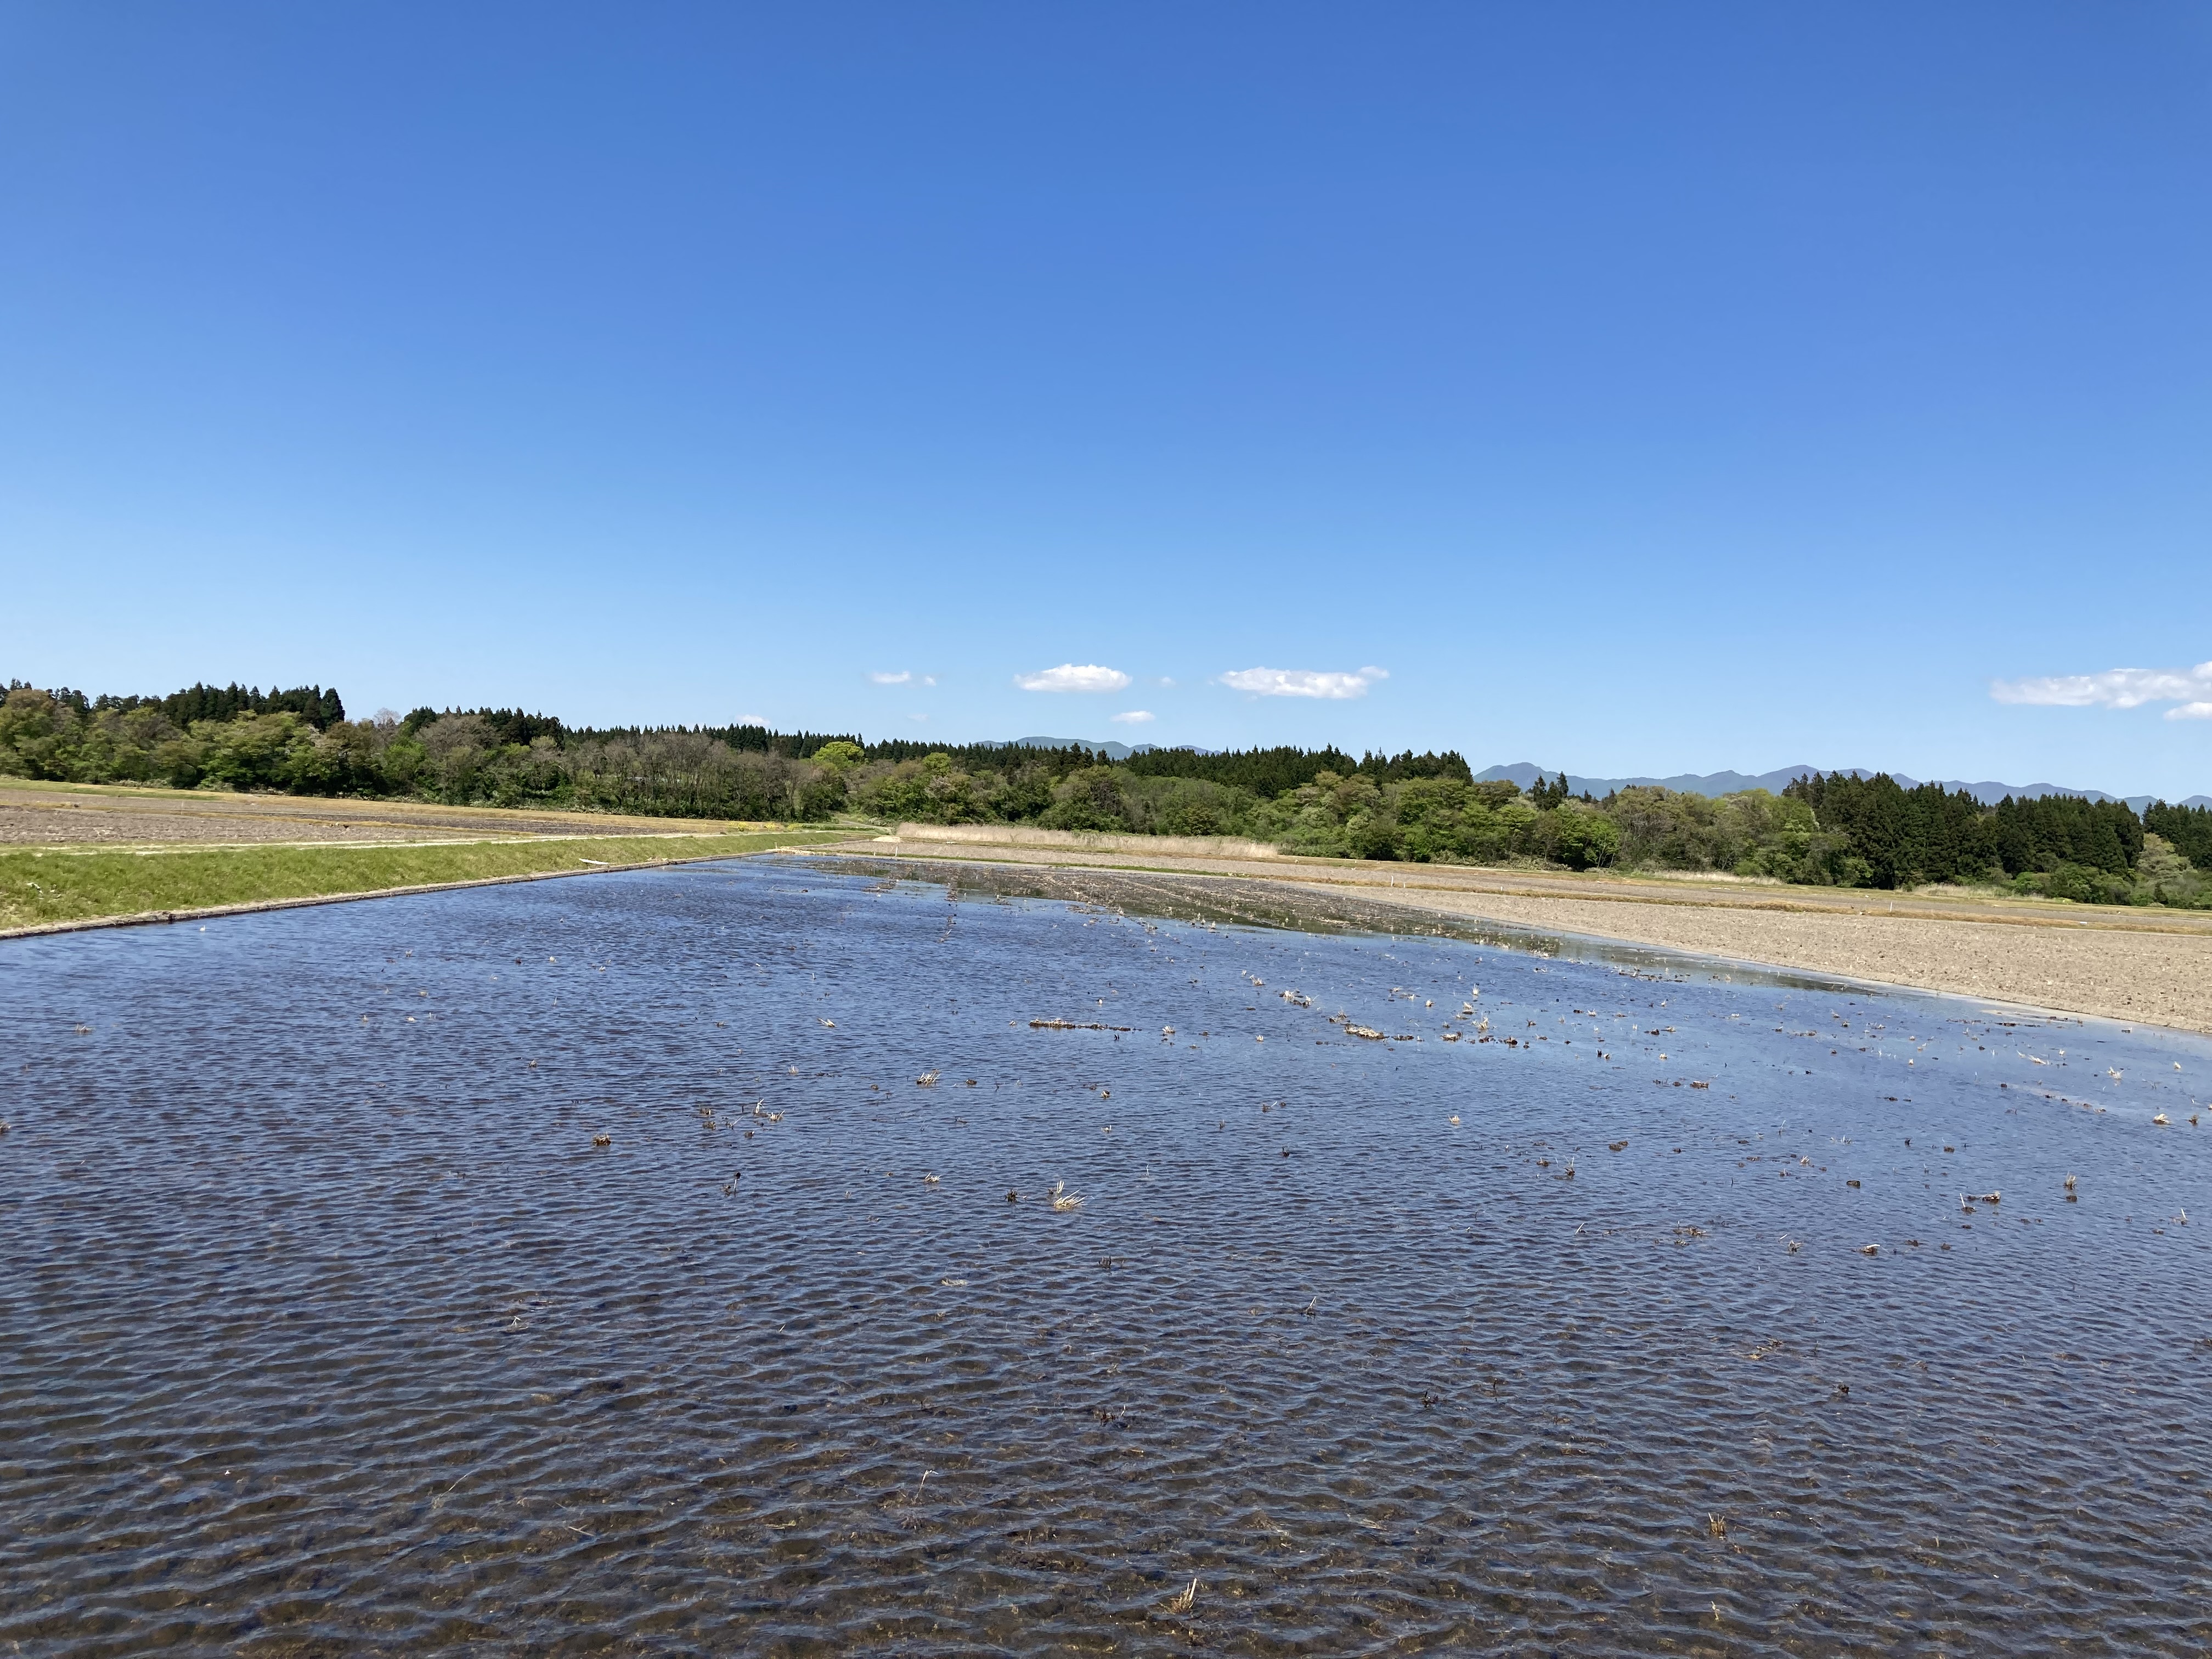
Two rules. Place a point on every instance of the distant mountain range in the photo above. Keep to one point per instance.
(1525, 773)
(1726, 783)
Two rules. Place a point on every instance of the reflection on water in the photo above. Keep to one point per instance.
(329, 1327)
(1306, 906)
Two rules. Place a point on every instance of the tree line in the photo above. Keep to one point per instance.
(318, 707)
(1928, 834)
(1831, 830)
(300, 741)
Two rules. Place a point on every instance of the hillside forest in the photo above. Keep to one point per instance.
(1833, 830)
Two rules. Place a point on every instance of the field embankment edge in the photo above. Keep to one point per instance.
(317, 875)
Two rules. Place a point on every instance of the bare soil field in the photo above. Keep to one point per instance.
(112, 815)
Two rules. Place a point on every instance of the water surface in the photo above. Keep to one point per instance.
(329, 1328)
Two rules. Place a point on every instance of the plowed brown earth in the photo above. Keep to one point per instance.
(34, 814)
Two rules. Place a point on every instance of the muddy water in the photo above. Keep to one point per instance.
(328, 1328)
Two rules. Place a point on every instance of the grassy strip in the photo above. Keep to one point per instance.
(41, 885)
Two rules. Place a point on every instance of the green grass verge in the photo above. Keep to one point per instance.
(50, 885)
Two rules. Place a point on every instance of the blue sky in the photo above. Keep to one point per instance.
(1640, 389)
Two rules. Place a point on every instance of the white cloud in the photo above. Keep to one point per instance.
(2116, 688)
(1135, 717)
(2190, 711)
(751, 719)
(929, 679)
(1074, 676)
(882, 676)
(1301, 682)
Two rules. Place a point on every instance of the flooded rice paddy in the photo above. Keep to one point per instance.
(667, 1261)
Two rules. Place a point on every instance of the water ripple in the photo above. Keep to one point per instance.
(330, 1328)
